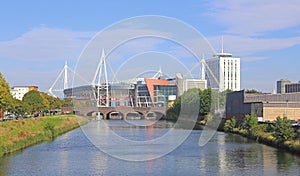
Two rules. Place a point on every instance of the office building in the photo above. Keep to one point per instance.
(281, 85)
(222, 72)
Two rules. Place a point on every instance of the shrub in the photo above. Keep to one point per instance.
(230, 124)
(283, 130)
(251, 125)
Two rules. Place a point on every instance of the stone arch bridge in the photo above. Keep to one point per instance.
(124, 110)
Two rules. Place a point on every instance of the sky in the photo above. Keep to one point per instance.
(38, 37)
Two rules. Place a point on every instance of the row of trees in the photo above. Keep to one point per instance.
(32, 101)
(192, 100)
(203, 101)
(282, 130)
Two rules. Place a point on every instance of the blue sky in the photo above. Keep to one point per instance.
(37, 37)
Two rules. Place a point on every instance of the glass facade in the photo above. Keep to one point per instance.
(294, 87)
(121, 95)
(161, 94)
(142, 96)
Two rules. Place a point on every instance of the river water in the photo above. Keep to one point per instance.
(74, 154)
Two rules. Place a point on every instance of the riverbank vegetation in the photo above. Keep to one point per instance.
(195, 105)
(19, 134)
(202, 101)
(279, 134)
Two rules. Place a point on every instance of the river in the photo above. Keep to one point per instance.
(74, 154)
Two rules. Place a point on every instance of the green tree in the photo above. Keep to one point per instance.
(230, 124)
(45, 101)
(35, 101)
(174, 111)
(283, 130)
(67, 102)
(51, 103)
(6, 99)
(251, 124)
(191, 100)
(205, 101)
(19, 107)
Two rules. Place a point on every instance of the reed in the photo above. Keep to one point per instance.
(19, 134)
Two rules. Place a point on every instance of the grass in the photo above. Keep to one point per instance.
(19, 134)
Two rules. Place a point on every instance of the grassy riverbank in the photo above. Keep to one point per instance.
(19, 134)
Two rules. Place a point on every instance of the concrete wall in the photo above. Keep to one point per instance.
(271, 113)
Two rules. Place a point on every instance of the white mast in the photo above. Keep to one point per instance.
(66, 76)
(101, 87)
(64, 73)
(202, 68)
(222, 50)
(158, 74)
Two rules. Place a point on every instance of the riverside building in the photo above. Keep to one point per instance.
(223, 72)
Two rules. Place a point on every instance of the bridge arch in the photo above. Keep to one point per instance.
(154, 115)
(114, 115)
(134, 115)
(96, 114)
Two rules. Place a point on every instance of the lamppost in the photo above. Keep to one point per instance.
(266, 111)
(287, 106)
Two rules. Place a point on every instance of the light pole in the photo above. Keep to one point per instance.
(287, 106)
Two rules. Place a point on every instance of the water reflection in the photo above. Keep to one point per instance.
(225, 154)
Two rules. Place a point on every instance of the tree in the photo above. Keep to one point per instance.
(19, 107)
(191, 100)
(46, 101)
(67, 102)
(56, 103)
(251, 124)
(205, 101)
(6, 99)
(35, 101)
(283, 130)
(51, 103)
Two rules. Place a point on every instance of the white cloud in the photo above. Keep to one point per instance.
(245, 46)
(45, 44)
(255, 17)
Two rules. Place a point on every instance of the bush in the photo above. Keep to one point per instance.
(251, 125)
(50, 127)
(283, 130)
(230, 124)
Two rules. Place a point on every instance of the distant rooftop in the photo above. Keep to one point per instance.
(222, 55)
(284, 79)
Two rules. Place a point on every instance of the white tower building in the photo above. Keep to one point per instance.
(225, 70)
